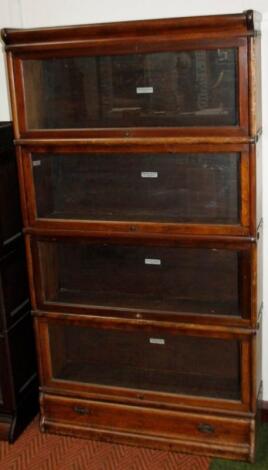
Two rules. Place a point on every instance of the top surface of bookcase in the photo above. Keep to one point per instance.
(166, 78)
(245, 23)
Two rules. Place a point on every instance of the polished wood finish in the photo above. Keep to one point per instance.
(220, 274)
(141, 203)
(231, 347)
(123, 39)
(177, 431)
(243, 24)
(18, 378)
(80, 166)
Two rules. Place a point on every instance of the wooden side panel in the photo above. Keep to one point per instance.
(5, 425)
(13, 286)
(259, 300)
(255, 101)
(10, 218)
(257, 358)
(259, 184)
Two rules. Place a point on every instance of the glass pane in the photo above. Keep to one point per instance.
(185, 88)
(178, 188)
(176, 279)
(143, 360)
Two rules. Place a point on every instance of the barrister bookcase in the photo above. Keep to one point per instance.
(18, 368)
(139, 166)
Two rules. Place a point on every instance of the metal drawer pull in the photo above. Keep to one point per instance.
(205, 428)
(81, 410)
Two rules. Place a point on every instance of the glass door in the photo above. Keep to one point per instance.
(183, 88)
(174, 191)
(151, 279)
(120, 90)
(123, 360)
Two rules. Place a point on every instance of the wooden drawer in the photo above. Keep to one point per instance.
(166, 189)
(186, 432)
(168, 280)
(146, 363)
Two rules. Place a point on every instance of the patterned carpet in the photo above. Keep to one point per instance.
(38, 451)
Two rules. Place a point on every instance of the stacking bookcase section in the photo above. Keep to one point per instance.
(172, 77)
(182, 387)
(199, 281)
(176, 365)
(140, 169)
(168, 189)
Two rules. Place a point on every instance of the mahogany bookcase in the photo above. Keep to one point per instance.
(139, 167)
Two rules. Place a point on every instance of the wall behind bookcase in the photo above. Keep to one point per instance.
(34, 13)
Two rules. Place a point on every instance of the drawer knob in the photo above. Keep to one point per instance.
(205, 428)
(81, 410)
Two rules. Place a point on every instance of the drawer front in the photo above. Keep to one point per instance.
(145, 363)
(167, 281)
(176, 430)
(179, 191)
(14, 295)
(179, 85)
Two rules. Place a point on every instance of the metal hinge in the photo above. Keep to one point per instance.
(256, 138)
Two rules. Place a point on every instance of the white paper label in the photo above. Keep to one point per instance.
(149, 174)
(157, 341)
(36, 162)
(154, 261)
(144, 89)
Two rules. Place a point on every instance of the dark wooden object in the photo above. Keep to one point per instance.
(264, 413)
(18, 377)
(139, 168)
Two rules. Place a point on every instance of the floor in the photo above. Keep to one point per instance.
(38, 451)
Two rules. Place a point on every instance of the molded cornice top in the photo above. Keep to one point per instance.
(242, 24)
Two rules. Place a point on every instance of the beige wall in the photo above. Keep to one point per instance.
(10, 15)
